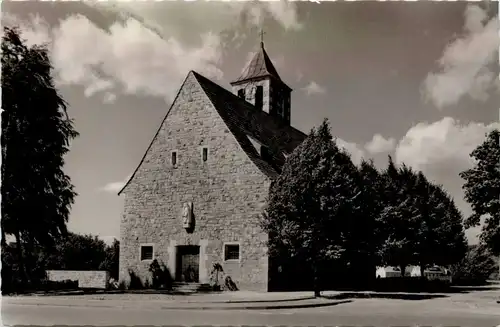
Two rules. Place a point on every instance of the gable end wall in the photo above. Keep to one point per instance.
(228, 193)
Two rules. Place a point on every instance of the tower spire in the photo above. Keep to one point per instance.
(262, 37)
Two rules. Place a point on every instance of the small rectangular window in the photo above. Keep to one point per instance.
(146, 252)
(280, 107)
(264, 153)
(204, 154)
(174, 158)
(241, 93)
(231, 252)
(259, 95)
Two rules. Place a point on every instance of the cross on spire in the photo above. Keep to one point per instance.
(262, 37)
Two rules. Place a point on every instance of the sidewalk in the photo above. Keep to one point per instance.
(244, 300)
(222, 301)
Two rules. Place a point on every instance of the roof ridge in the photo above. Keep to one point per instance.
(260, 65)
(243, 120)
(266, 168)
(242, 101)
(157, 131)
(196, 74)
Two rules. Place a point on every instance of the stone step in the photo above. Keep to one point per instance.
(190, 287)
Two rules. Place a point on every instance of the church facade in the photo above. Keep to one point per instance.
(197, 195)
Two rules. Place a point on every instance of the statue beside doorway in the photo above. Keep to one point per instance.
(187, 215)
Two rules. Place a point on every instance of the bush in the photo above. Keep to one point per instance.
(122, 286)
(49, 285)
(160, 276)
(135, 281)
(73, 252)
(476, 267)
(215, 275)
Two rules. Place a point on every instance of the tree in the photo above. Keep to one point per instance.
(77, 252)
(400, 217)
(475, 268)
(308, 200)
(451, 243)
(36, 194)
(112, 259)
(73, 252)
(366, 228)
(423, 225)
(482, 190)
(440, 237)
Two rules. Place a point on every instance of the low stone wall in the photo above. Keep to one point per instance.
(85, 278)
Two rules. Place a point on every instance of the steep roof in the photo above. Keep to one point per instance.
(247, 122)
(249, 125)
(260, 66)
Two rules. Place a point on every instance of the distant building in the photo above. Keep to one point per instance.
(431, 273)
(388, 272)
(197, 195)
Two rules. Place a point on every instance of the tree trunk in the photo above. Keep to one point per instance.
(316, 286)
(4, 241)
(20, 254)
(29, 258)
(403, 270)
(422, 271)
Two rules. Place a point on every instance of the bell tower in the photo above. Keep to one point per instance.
(261, 85)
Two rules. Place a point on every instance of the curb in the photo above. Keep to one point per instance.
(193, 301)
(264, 307)
(194, 307)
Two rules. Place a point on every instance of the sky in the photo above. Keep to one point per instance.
(414, 80)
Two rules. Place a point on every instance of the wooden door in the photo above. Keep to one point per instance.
(188, 263)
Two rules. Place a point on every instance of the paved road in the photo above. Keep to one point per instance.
(357, 313)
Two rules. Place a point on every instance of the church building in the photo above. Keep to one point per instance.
(197, 195)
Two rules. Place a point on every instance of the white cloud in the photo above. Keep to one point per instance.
(313, 88)
(379, 144)
(35, 31)
(441, 150)
(285, 12)
(235, 18)
(445, 141)
(357, 154)
(130, 57)
(465, 67)
(109, 97)
(97, 85)
(115, 187)
(253, 13)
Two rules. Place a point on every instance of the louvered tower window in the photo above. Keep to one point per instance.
(259, 97)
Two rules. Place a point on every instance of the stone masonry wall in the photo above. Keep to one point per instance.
(85, 278)
(274, 94)
(250, 89)
(227, 192)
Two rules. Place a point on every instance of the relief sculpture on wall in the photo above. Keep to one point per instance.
(187, 215)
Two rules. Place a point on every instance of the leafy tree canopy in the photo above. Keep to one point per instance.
(482, 190)
(36, 193)
(316, 188)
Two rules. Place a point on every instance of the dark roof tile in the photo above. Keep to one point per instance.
(260, 66)
(244, 121)
(247, 124)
